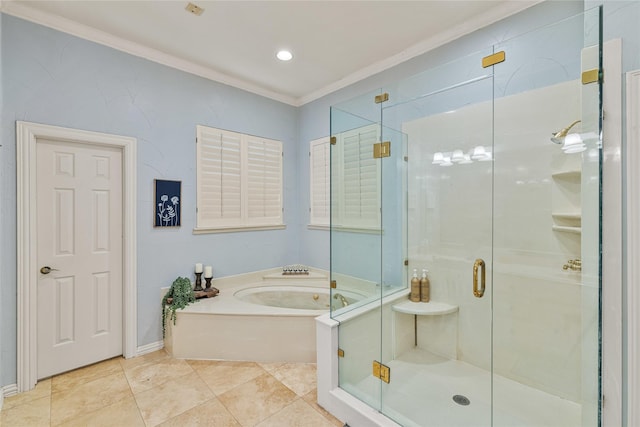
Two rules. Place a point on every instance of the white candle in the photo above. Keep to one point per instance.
(208, 271)
(199, 267)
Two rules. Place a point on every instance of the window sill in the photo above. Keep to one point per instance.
(318, 227)
(361, 230)
(212, 230)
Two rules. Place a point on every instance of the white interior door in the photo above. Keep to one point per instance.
(79, 238)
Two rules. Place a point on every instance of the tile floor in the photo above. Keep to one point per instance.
(157, 390)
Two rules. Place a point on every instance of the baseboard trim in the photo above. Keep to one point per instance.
(150, 348)
(8, 390)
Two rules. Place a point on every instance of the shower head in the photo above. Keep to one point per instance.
(558, 137)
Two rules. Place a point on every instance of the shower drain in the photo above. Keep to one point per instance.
(461, 400)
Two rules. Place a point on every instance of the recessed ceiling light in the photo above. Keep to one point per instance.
(284, 55)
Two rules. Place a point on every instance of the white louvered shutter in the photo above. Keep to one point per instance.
(239, 180)
(319, 177)
(264, 181)
(361, 179)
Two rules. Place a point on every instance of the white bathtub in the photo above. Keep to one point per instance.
(231, 327)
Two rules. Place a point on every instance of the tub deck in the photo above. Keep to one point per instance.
(226, 328)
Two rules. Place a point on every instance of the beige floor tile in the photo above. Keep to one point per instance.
(299, 377)
(223, 376)
(146, 376)
(33, 414)
(297, 414)
(172, 398)
(312, 399)
(72, 379)
(145, 358)
(271, 366)
(42, 389)
(122, 413)
(209, 414)
(257, 399)
(88, 397)
(199, 364)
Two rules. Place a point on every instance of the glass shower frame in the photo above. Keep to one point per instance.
(368, 263)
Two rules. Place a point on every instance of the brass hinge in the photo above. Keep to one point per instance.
(381, 149)
(590, 76)
(406, 262)
(494, 59)
(383, 97)
(333, 140)
(333, 284)
(381, 371)
(340, 352)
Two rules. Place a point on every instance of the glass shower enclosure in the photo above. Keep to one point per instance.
(485, 172)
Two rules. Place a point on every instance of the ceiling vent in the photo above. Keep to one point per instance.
(196, 10)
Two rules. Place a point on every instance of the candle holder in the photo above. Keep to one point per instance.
(209, 288)
(198, 282)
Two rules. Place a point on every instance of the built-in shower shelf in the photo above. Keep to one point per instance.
(568, 216)
(431, 308)
(567, 175)
(567, 229)
(567, 222)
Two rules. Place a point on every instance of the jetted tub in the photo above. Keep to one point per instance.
(262, 318)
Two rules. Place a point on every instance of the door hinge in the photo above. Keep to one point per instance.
(340, 352)
(381, 149)
(494, 59)
(333, 284)
(406, 262)
(591, 76)
(381, 371)
(383, 97)
(333, 140)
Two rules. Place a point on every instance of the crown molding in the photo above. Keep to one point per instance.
(480, 21)
(26, 12)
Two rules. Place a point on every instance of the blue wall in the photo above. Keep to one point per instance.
(54, 78)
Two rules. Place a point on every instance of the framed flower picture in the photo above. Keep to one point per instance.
(167, 207)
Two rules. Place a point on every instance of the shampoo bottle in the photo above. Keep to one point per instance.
(424, 286)
(415, 287)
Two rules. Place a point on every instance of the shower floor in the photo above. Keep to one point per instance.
(423, 385)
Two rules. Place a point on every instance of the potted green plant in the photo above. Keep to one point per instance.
(179, 296)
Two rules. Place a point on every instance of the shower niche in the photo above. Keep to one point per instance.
(567, 211)
(453, 169)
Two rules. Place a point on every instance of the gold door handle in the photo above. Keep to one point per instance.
(478, 293)
(46, 269)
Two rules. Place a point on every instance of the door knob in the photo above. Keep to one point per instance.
(47, 270)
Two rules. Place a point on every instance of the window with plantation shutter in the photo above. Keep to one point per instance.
(239, 181)
(357, 191)
(319, 182)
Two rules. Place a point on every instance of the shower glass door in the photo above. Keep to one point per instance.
(502, 201)
(546, 238)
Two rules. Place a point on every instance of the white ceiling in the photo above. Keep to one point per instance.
(334, 43)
